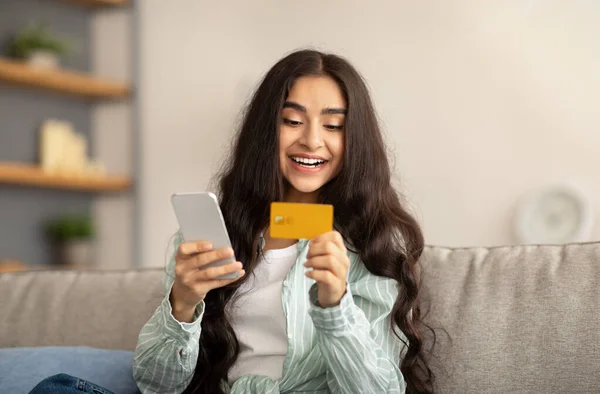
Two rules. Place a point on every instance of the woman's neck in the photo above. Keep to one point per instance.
(294, 195)
(276, 243)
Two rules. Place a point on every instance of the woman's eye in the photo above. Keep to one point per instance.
(333, 127)
(292, 122)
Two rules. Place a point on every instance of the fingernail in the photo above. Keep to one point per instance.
(206, 247)
(238, 264)
(241, 273)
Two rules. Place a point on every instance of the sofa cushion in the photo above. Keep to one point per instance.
(519, 319)
(23, 368)
(101, 309)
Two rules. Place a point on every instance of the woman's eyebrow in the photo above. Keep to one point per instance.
(296, 106)
(325, 111)
(334, 111)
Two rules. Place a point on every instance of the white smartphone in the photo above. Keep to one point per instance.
(200, 219)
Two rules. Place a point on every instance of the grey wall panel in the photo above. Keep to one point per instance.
(23, 210)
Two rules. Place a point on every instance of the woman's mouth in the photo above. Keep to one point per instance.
(304, 164)
(308, 163)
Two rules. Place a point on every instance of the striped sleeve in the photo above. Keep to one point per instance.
(360, 350)
(167, 350)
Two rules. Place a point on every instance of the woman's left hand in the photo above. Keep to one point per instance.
(328, 258)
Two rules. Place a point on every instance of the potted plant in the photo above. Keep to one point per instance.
(72, 238)
(38, 46)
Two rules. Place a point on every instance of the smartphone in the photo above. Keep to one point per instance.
(200, 219)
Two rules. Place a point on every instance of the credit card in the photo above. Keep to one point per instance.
(300, 220)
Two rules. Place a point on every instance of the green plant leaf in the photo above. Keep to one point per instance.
(37, 37)
(69, 227)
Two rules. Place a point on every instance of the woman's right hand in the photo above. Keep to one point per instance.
(193, 283)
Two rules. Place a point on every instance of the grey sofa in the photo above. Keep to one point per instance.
(515, 319)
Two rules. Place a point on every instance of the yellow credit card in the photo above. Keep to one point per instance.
(300, 221)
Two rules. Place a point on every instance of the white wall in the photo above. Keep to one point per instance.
(481, 101)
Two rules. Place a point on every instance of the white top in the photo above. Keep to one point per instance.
(258, 319)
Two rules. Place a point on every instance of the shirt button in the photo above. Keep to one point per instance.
(286, 283)
(290, 337)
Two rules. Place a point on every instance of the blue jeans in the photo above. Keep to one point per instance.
(67, 384)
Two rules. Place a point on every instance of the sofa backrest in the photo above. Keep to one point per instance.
(104, 309)
(518, 319)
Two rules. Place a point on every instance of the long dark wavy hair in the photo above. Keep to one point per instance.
(368, 212)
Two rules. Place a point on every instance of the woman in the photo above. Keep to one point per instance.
(310, 134)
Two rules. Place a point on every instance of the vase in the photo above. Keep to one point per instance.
(76, 252)
(43, 59)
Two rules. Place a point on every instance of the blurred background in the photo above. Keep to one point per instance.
(107, 107)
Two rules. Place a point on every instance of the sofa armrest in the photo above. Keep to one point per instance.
(102, 309)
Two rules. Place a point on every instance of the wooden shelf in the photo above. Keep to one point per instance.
(61, 81)
(31, 175)
(99, 3)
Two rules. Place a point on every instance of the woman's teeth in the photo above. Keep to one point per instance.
(309, 163)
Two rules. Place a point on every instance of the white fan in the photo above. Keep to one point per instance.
(554, 215)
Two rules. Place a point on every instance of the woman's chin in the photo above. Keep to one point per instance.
(304, 189)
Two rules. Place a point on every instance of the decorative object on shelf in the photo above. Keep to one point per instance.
(65, 151)
(554, 215)
(73, 239)
(39, 47)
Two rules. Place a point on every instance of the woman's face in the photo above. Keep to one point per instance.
(311, 136)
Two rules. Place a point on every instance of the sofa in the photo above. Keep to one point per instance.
(513, 319)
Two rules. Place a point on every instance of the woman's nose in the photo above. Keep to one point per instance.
(312, 137)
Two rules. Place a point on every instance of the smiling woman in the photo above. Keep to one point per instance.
(336, 313)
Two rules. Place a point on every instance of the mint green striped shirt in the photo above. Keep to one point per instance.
(345, 349)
